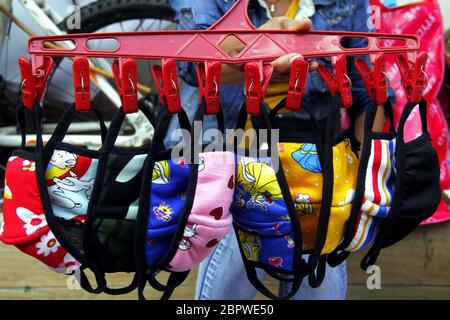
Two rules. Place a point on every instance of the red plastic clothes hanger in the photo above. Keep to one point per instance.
(260, 47)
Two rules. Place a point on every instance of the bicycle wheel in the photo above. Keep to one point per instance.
(100, 16)
(106, 16)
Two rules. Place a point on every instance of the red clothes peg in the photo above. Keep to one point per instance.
(125, 76)
(255, 91)
(209, 85)
(339, 80)
(375, 79)
(81, 84)
(33, 83)
(414, 78)
(297, 84)
(167, 83)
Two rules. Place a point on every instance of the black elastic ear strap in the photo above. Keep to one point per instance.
(63, 126)
(22, 124)
(325, 150)
(372, 255)
(299, 264)
(52, 220)
(143, 274)
(117, 122)
(220, 118)
(242, 118)
(183, 219)
(144, 204)
(405, 115)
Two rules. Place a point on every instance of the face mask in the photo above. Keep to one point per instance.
(65, 178)
(262, 222)
(375, 188)
(186, 209)
(304, 177)
(417, 190)
(24, 223)
(110, 226)
(321, 194)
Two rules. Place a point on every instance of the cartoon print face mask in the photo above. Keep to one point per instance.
(209, 220)
(185, 210)
(304, 177)
(70, 178)
(65, 178)
(262, 223)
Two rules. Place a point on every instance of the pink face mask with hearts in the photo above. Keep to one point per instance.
(210, 219)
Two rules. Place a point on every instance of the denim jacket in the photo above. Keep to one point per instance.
(345, 15)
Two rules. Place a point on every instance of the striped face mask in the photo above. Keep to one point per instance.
(378, 192)
(417, 191)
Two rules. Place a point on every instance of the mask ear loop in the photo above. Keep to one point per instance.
(177, 278)
(143, 274)
(300, 266)
(317, 261)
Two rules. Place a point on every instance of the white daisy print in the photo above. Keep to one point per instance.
(33, 221)
(28, 165)
(68, 266)
(48, 244)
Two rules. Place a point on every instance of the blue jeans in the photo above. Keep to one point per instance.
(222, 276)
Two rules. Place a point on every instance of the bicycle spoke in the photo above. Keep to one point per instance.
(141, 22)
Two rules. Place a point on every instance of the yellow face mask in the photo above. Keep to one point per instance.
(304, 176)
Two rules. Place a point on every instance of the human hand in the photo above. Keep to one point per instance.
(282, 65)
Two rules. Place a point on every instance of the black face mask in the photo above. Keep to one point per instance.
(417, 190)
(110, 225)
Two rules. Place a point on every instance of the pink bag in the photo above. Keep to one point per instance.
(423, 19)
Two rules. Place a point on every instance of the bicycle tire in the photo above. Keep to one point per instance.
(97, 15)
(100, 14)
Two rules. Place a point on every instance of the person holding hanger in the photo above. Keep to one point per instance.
(222, 275)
